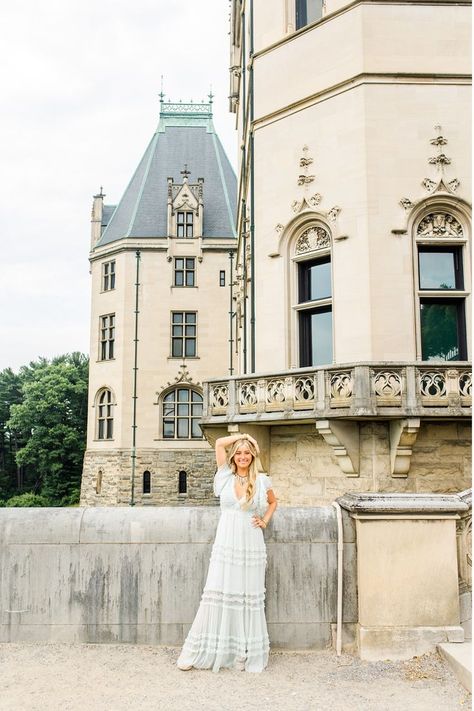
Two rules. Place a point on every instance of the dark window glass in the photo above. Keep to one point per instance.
(107, 337)
(308, 11)
(315, 280)
(183, 334)
(146, 482)
(184, 270)
(182, 482)
(442, 329)
(182, 408)
(222, 278)
(439, 268)
(316, 337)
(105, 420)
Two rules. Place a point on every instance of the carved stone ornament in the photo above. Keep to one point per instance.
(439, 224)
(313, 238)
(333, 213)
(441, 185)
(306, 203)
(279, 228)
(305, 179)
(182, 377)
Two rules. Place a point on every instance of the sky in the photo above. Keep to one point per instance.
(78, 103)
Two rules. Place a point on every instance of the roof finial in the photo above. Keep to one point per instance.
(101, 193)
(185, 172)
(161, 94)
(210, 95)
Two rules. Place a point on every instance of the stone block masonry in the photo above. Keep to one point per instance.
(136, 574)
(107, 477)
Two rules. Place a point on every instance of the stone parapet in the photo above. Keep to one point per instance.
(351, 390)
(135, 574)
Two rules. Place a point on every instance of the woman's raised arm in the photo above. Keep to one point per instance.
(223, 442)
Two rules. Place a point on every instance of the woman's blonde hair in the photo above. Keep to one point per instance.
(252, 467)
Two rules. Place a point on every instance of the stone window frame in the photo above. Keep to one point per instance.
(312, 221)
(107, 325)
(183, 483)
(146, 482)
(108, 275)
(183, 338)
(161, 403)
(460, 211)
(187, 224)
(109, 418)
(185, 269)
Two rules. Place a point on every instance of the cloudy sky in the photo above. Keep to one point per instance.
(79, 93)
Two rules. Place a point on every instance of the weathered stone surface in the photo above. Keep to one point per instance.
(164, 467)
(136, 574)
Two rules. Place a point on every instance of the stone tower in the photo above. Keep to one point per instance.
(161, 265)
(354, 243)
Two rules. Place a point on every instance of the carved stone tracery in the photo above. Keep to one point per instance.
(439, 224)
(313, 238)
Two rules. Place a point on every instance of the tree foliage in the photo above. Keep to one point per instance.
(43, 417)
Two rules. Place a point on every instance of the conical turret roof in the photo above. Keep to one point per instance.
(185, 135)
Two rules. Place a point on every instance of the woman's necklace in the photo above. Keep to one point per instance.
(242, 479)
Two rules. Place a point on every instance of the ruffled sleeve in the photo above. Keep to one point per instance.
(265, 483)
(221, 476)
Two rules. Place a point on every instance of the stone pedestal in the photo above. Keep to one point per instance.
(407, 572)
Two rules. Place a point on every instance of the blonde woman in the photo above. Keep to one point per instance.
(230, 629)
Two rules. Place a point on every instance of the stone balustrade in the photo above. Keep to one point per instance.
(361, 390)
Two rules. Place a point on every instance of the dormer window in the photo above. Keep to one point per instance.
(185, 224)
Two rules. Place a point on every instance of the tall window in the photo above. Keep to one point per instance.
(440, 244)
(182, 482)
(107, 337)
(184, 271)
(183, 334)
(105, 418)
(182, 409)
(308, 11)
(185, 224)
(222, 277)
(315, 311)
(108, 276)
(146, 482)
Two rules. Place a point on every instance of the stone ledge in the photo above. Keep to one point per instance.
(405, 503)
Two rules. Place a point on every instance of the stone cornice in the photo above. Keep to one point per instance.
(355, 82)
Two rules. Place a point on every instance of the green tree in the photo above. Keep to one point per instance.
(52, 418)
(11, 475)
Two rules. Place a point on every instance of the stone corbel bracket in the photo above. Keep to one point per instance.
(403, 434)
(343, 438)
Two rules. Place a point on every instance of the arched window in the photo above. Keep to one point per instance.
(182, 410)
(146, 482)
(182, 482)
(105, 418)
(442, 284)
(98, 482)
(312, 295)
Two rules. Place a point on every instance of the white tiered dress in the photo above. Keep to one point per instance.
(230, 623)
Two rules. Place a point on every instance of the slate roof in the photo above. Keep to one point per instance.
(185, 135)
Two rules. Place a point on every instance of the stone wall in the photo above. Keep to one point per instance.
(164, 467)
(305, 471)
(136, 574)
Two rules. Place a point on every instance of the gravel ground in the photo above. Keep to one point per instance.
(74, 677)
